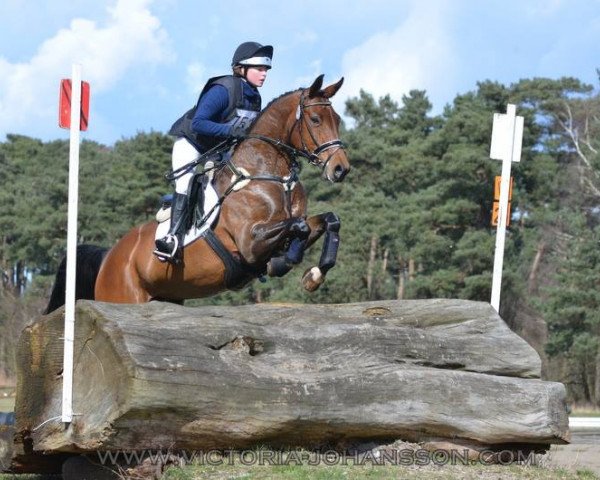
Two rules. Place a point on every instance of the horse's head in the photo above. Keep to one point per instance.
(316, 130)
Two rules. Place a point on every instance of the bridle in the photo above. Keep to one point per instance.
(300, 124)
(313, 157)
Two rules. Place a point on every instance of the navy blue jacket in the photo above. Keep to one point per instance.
(205, 125)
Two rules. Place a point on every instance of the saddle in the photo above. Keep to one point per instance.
(204, 206)
(203, 209)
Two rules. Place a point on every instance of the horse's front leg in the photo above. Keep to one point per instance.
(328, 223)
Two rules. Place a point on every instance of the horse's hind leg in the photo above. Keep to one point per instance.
(268, 235)
(329, 223)
(293, 255)
(279, 266)
(119, 280)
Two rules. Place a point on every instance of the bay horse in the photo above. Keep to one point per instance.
(262, 227)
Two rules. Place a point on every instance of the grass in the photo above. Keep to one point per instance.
(307, 466)
(358, 472)
(293, 472)
(448, 472)
(585, 413)
(584, 410)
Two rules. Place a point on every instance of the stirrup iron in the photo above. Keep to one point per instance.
(165, 256)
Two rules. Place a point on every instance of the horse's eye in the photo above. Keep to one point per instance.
(315, 119)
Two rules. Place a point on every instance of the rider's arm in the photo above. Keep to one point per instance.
(209, 113)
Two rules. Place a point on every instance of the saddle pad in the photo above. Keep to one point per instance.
(164, 218)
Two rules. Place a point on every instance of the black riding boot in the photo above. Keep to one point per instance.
(168, 247)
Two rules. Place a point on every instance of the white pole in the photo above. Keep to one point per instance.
(503, 207)
(69, 337)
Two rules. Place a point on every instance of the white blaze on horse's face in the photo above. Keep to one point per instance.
(322, 130)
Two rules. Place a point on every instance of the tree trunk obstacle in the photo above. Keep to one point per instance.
(158, 376)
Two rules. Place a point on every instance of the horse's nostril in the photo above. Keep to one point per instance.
(339, 172)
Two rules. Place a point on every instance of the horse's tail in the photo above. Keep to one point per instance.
(89, 259)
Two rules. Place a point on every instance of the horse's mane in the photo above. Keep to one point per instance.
(264, 110)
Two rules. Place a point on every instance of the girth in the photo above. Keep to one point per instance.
(236, 271)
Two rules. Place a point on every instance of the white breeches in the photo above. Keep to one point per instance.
(183, 153)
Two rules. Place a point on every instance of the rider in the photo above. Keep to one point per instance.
(226, 108)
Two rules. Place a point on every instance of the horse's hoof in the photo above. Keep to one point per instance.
(312, 279)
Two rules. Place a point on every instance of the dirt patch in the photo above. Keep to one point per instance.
(574, 457)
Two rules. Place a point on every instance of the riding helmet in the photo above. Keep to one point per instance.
(253, 54)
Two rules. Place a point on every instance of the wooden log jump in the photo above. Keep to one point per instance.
(156, 376)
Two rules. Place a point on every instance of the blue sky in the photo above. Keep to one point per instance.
(147, 60)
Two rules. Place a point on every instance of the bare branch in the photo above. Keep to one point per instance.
(586, 141)
(588, 173)
(573, 134)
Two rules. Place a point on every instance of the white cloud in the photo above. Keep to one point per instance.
(418, 54)
(131, 36)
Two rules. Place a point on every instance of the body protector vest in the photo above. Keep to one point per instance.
(240, 113)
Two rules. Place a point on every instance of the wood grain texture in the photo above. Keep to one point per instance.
(165, 376)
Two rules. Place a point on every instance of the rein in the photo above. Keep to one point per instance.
(216, 150)
(291, 151)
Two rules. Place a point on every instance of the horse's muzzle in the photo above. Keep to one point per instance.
(339, 172)
(337, 166)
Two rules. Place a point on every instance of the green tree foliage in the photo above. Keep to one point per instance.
(573, 311)
(33, 197)
(119, 187)
(571, 306)
(129, 187)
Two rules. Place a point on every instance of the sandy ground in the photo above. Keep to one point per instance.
(584, 450)
(574, 457)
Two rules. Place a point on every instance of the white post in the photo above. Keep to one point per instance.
(69, 336)
(507, 137)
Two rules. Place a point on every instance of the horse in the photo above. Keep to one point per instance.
(262, 227)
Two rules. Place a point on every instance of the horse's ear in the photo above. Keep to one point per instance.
(331, 90)
(315, 88)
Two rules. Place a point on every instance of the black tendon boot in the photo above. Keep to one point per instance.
(168, 247)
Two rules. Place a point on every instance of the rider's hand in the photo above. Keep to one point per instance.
(236, 132)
